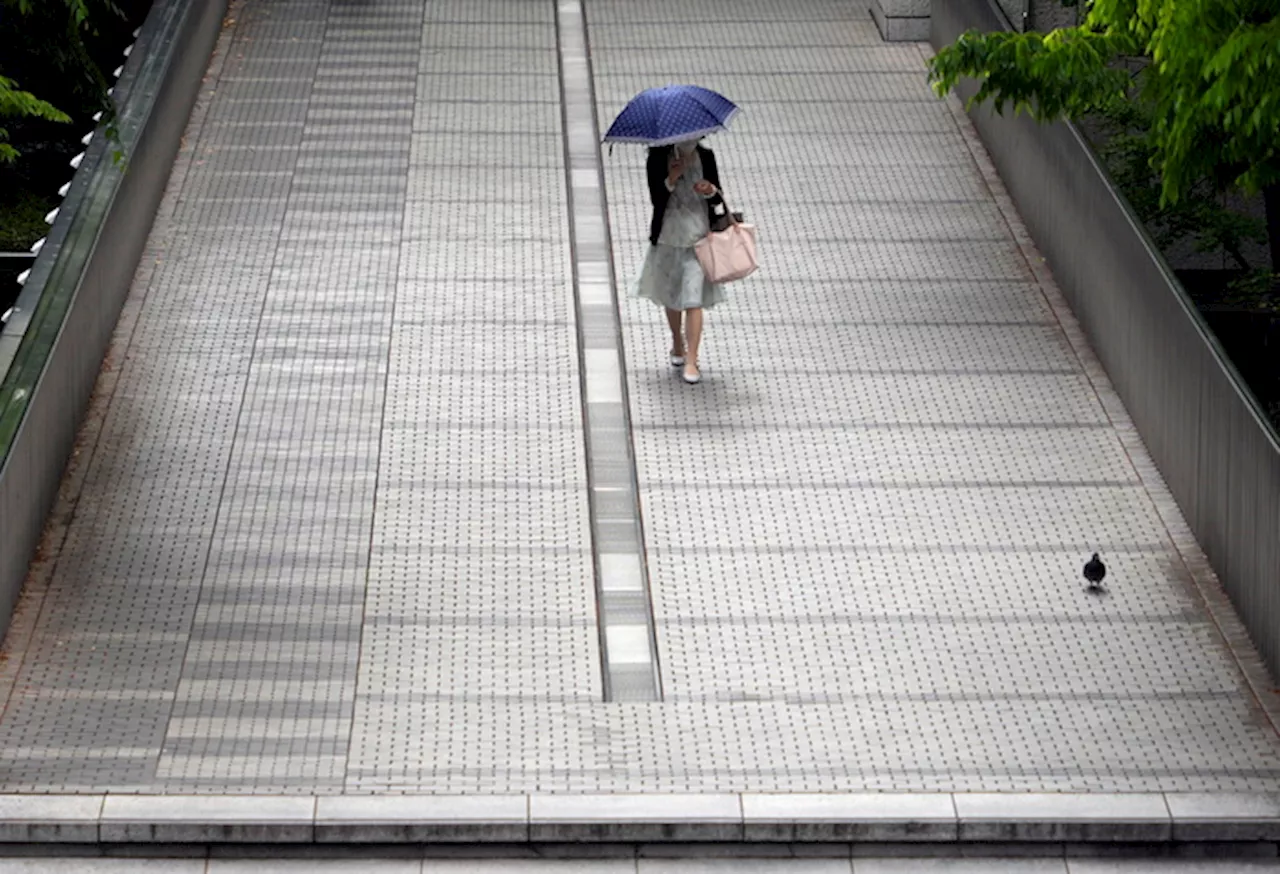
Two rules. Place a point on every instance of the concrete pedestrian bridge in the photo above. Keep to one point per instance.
(386, 487)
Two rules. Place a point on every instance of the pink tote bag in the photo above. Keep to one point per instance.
(728, 255)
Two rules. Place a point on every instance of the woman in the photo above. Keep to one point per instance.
(685, 190)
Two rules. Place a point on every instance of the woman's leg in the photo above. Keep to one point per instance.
(677, 338)
(693, 331)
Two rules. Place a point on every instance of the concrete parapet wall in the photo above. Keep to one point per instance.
(1214, 448)
(901, 20)
(52, 349)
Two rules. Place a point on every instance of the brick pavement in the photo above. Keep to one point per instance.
(330, 530)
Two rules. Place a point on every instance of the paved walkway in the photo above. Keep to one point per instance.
(329, 527)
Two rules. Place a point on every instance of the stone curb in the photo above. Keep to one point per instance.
(725, 818)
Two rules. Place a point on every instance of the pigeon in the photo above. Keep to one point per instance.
(1094, 571)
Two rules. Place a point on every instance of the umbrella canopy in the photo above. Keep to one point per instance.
(671, 114)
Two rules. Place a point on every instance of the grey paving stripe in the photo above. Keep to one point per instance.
(629, 652)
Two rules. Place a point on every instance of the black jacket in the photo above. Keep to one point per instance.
(656, 170)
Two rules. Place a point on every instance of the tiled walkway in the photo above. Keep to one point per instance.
(329, 528)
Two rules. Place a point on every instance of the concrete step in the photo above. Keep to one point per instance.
(258, 862)
(987, 819)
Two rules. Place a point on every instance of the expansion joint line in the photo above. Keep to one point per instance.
(628, 644)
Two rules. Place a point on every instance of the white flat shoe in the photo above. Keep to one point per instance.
(677, 361)
(691, 378)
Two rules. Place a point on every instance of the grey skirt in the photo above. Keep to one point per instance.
(673, 278)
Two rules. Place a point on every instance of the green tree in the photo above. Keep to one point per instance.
(48, 35)
(1206, 73)
(15, 102)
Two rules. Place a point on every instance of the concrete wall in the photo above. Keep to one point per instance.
(1047, 15)
(906, 20)
(1216, 451)
(52, 349)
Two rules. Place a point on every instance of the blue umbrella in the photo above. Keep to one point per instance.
(671, 114)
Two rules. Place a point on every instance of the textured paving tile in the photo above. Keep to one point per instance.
(332, 533)
(873, 511)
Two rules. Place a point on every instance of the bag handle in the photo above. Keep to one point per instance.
(733, 219)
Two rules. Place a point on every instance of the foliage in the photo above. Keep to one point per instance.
(23, 222)
(1256, 290)
(78, 9)
(1217, 92)
(1067, 73)
(1211, 83)
(44, 41)
(1200, 216)
(16, 102)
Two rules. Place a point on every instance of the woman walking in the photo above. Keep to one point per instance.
(684, 187)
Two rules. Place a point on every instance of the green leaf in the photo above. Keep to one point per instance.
(1209, 79)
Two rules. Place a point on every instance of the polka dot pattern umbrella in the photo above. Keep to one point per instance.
(671, 114)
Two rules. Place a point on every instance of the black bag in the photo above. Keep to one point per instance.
(719, 214)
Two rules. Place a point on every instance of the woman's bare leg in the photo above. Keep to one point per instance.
(677, 337)
(693, 330)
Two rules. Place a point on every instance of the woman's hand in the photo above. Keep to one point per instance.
(681, 163)
(705, 188)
